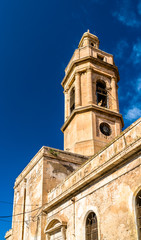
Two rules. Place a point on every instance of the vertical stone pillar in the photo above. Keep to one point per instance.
(94, 92)
(77, 90)
(48, 236)
(66, 104)
(114, 94)
(63, 231)
(89, 86)
(73, 215)
(117, 98)
(24, 205)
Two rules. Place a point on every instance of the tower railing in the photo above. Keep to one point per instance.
(88, 51)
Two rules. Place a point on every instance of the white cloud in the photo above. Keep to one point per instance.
(139, 84)
(133, 95)
(126, 13)
(133, 114)
(136, 53)
(139, 7)
(120, 49)
(126, 20)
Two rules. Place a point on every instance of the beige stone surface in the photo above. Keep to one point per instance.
(82, 73)
(126, 145)
(45, 171)
(106, 184)
(8, 235)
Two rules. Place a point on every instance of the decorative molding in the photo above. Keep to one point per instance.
(91, 59)
(56, 224)
(91, 107)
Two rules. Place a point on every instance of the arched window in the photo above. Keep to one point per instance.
(138, 212)
(101, 93)
(91, 227)
(56, 230)
(72, 99)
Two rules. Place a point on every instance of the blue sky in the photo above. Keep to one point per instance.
(37, 40)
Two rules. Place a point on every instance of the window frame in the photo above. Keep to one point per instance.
(136, 213)
(91, 226)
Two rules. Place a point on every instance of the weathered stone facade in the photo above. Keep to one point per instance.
(68, 196)
(44, 172)
(106, 184)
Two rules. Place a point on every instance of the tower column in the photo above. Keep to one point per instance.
(89, 86)
(48, 236)
(66, 104)
(114, 94)
(94, 92)
(63, 231)
(77, 90)
(117, 97)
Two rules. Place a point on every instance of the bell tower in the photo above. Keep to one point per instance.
(92, 117)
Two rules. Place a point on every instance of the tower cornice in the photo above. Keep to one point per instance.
(91, 59)
(91, 107)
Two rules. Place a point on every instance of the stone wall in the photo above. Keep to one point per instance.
(45, 171)
(112, 199)
(107, 185)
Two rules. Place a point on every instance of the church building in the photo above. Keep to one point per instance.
(92, 189)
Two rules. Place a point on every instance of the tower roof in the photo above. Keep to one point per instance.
(89, 38)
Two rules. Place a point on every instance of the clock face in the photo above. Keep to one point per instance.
(105, 129)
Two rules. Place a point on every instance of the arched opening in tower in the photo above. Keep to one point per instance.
(72, 99)
(101, 93)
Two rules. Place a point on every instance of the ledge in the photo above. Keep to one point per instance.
(50, 153)
(8, 234)
(92, 59)
(90, 108)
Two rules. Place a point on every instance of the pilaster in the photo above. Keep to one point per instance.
(77, 90)
(89, 86)
(66, 104)
(48, 236)
(114, 94)
(63, 231)
(117, 97)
